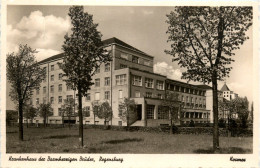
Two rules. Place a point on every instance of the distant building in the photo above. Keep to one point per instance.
(227, 93)
(129, 74)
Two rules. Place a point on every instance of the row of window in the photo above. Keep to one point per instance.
(192, 100)
(120, 80)
(149, 83)
(135, 59)
(106, 83)
(185, 90)
(60, 87)
(107, 68)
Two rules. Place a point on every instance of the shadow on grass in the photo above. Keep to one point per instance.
(230, 150)
(123, 140)
(59, 136)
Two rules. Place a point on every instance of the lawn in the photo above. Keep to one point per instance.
(65, 140)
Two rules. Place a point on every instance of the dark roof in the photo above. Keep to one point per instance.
(58, 56)
(105, 42)
(225, 88)
(120, 42)
(204, 87)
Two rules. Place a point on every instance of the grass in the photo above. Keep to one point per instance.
(63, 140)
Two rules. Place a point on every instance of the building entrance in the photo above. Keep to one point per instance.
(139, 112)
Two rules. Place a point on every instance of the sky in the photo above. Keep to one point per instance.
(43, 28)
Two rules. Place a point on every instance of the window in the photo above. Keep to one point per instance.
(160, 85)
(107, 67)
(107, 81)
(44, 89)
(60, 87)
(147, 62)
(69, 97)
(97, 96)
(60, 99)
(120, 110)
(122, 66)
(120, 94)
(52, 67)
(88, 97)
(97, 82)
(60, 76)
(148, 83)
(97, 70)
(52, 100)
(137, 80)
(37, 90)
(52, 77)
(135, 59)
(52, 88)
(150, 111)
(148, 94)
(163, 112)
(68, 88)
(124, 56)
(86, 112)
(121, 79)
(160, 96)
(119, 123)
(137, 94)
(37, 101)
(44, 79)
(107, 95)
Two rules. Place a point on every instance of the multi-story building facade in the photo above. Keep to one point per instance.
(129, 75)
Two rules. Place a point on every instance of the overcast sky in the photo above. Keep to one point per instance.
(44, 27)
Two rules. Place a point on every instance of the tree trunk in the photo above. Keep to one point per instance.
(171, 132)
(20, 120)
(69, 121)
(80, 116)
(44, 122)
(215, 112)
(27, 123)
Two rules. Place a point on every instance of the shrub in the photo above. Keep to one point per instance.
(191, 123)
(222, 123)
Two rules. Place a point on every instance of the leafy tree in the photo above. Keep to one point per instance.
(242, 105)
(127, 111)
(104, 112)
(83, 54)
(45, 110)
(203, 40)
(24, 75)
(172, 104)
(86, 111)
(68, 109)
(96, 109)
(228, 108)
(11, 115)
(30, 113)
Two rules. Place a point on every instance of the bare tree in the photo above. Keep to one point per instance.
(68, 109)
(105, 112)
(45, 110)
(127, 111)
(172, 105)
